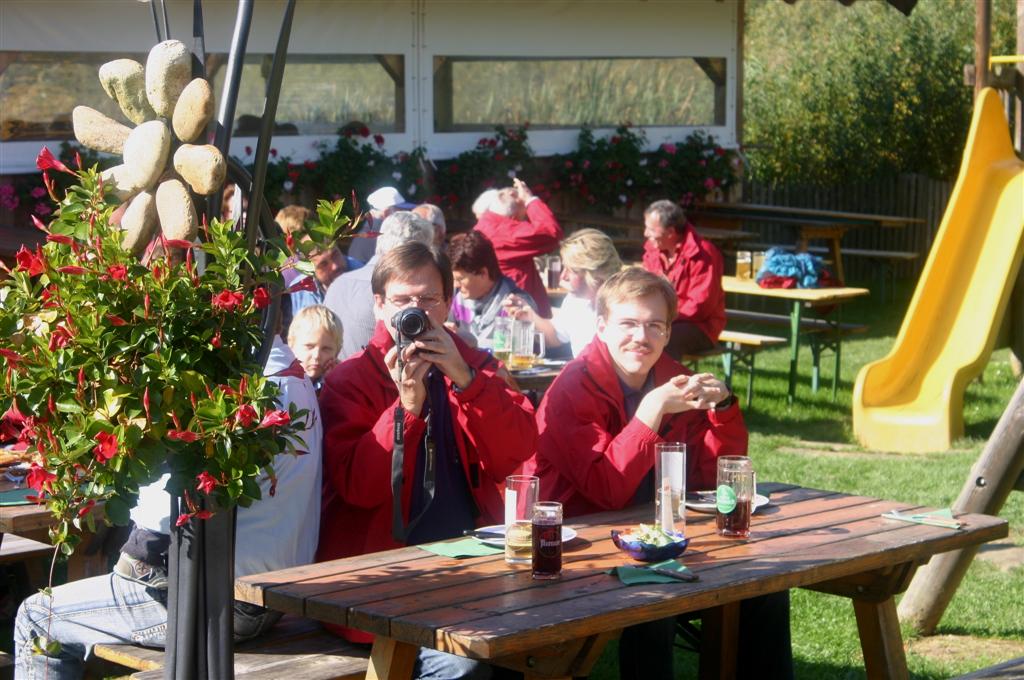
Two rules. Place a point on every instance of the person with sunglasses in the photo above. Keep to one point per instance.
(465, 430)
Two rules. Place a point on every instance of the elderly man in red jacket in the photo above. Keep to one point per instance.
(598, 424)
(694, 267)
(456, 413)
(521, 227)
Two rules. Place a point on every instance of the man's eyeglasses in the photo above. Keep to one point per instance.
(421, 301)
(654, 329)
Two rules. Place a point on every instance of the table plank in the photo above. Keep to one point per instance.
(816, 296)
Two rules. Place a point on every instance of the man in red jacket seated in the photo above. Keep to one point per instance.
(598, 424)
(694, 267)
(521, 227)
(456, 412)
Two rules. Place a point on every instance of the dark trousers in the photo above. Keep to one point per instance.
(764, 647)
(687, 338)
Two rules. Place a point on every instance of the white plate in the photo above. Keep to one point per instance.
(568, 533)
(704, 501)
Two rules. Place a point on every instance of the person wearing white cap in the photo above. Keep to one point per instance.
(382, 202)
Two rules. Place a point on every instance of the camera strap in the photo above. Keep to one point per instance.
(399, 530)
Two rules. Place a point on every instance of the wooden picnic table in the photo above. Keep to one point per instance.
(485, 609)
(33, 521)
(811, 223)
(537, 379)
(798, 297)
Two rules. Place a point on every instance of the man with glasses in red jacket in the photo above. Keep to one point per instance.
(465, 430)
(598, 424)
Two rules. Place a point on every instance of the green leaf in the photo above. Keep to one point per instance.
(118, 511)
(67, 405)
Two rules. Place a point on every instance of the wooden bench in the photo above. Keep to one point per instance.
(823, 335)
(295, 647)
(1009, 670)
(35, 556)
(742, 348)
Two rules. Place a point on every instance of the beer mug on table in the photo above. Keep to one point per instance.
(734, 496)
(525, 341)
(501, 339)
(520, 496)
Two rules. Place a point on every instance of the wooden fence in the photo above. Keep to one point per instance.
(904, 195)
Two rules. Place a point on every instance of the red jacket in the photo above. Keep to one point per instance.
(494, 431)
(591, 459)
(696, 273)
(517, 243)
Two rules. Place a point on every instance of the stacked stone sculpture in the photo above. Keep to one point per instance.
(170, 111)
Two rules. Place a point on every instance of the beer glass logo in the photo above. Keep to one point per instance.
(725, 499)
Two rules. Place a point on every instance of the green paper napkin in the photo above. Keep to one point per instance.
(936, 518)
(466, 547)
(16, 497)
(632, 576)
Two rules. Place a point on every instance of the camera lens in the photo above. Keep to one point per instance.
(411, 323)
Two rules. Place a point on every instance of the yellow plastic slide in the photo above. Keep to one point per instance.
(912, 400)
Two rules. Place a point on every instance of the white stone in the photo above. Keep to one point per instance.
(139, 223)
(202, 167)
(98, 131)
(123, 180)
(168, 70)
(194, 110)
(146, 151)
(175, 210)
(124, 81)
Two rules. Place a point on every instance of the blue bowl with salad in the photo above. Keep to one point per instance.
(649, 543)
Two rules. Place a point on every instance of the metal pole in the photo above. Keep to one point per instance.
(156, 21)
(233, 76)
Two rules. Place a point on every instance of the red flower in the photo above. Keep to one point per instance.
(310, 165)
(670, 149)
(46, 161)
(293, 175)
(60, 238)
(106, 447)
(305, 283)
(615, 139)
(273, 153)
(227, 300)
(38, 224)
(453, 168)
(116, 320)
(72, 269)
(86, 509)
(177, 243)
(275, 418)
(719, 151)
(182, 520)
(145, 402)
(39, 479)
(118, 272)
(182, 436)
(13, 358)
(248, 151)
(60, 338)
(30, 262)
(246, 415)
(203, 514)
(260, 297)
(207, 482)
(364, 131)
(499, 156)
(215, 340)
(289, 241)
(379, 139)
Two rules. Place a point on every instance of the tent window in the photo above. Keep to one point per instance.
(320, 93)
(477, 93)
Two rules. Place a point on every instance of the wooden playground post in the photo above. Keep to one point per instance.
(998, 471)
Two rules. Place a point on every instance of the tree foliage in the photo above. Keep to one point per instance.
(836, 93)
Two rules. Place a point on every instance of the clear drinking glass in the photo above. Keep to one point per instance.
(501, 339)
(520, 497)
(547, 540)
(525, 339)
(670, 486)
(734, 497)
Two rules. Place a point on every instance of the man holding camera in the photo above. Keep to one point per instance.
(461, 431)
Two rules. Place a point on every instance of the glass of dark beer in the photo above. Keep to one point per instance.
(547, 540)
(734, 496)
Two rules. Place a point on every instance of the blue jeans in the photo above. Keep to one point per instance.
(102, 610)
(434, 665)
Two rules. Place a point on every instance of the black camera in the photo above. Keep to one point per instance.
(410, 323)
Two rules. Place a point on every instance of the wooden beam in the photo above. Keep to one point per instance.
(982, 43)
(995, 474)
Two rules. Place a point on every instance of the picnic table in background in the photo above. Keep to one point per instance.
(831, 326)
(628, 233)
(812, 224)
(32, 521)
(483, 608)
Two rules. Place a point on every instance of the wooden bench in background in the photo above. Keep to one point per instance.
(823, 335)
(742, 350)
(296, 647)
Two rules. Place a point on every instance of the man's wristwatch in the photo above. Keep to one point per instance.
(726, 403)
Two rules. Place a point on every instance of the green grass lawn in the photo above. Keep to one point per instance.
(794, 444)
